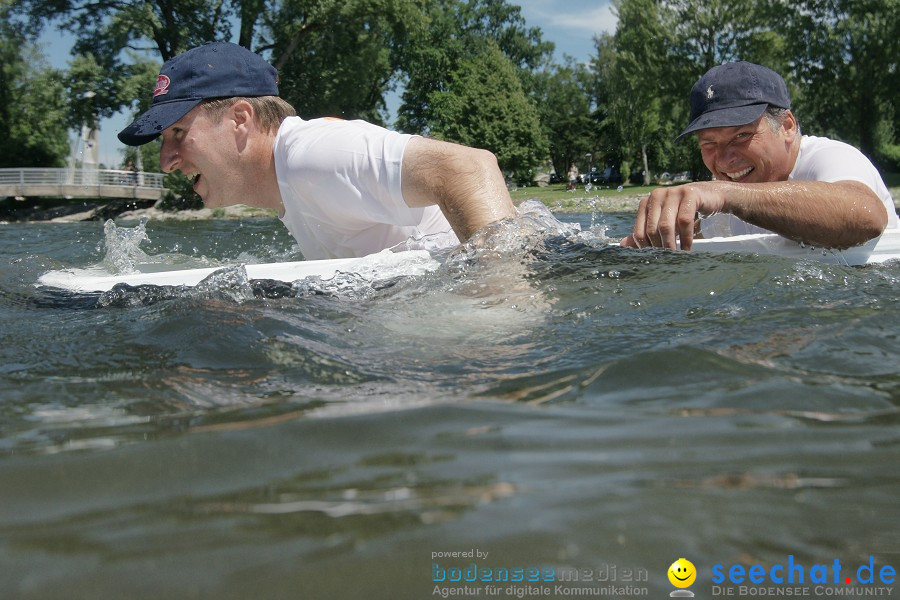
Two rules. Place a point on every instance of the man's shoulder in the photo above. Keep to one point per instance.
(815, 150)
(826, 147)
(331, 123)
(814, 144)
(824, 159)
(295, 130)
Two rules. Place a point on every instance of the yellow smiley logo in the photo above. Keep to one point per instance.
(682, 573)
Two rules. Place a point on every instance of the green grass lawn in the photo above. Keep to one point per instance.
(609, 198)
(598, 197)
(557, 192)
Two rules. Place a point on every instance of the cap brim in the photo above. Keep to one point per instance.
(725, 117)
(152, 123)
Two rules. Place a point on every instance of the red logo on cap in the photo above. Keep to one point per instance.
(162, 86)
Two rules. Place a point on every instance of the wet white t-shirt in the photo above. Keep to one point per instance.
(341, 188)
(820, 159)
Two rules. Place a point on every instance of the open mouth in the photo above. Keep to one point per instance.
(739, 174)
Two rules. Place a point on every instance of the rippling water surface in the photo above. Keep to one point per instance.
(542, 397)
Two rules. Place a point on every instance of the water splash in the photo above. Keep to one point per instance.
(228, 284)
(122, 252)
(519, 235)
(494, 259)
(124, 256)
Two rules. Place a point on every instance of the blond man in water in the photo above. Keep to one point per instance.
(342, 188)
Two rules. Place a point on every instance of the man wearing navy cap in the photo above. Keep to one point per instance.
(342, 188)
(767, 176)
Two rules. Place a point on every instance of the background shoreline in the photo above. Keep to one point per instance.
(62, 211)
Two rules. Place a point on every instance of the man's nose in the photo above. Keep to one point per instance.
(725, 155)
(169, 159)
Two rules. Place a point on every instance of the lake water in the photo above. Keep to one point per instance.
(543, 401)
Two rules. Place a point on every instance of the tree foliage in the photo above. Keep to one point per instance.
(564, 103)
(483, 105)
(35, 130)
(163, 27)
(448, 75)
(454, 30)
(341, 58)
(471, 70)
(637, 65)
(847, 63)
(33, 124)
(708, 33)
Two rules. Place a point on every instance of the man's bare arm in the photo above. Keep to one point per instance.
(464, 182)
(833, 215)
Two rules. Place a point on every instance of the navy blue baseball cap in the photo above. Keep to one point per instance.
(213, 70)
(734, 94)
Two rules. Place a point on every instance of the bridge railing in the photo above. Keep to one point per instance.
(93, 177)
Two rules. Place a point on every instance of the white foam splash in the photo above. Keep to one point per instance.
(229, 283)
(122, 251)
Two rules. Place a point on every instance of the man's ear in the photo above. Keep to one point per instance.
(241, 120)
(789, 125)
(242, 114)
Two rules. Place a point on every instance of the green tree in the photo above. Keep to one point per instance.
(117, 43)
(631, 76)
(661, 47)
(156, 27)
(341, 58)
(607, 144)
(564, 102)
(335, 57)
(37, 132)
(485, 106)
(32, 99)
(453, 29)
(502, 22)
(706, 33)
(846, 55)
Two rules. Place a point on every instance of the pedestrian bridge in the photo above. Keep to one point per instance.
(81, 183)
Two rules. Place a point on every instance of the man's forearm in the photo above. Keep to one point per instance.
(834, 215)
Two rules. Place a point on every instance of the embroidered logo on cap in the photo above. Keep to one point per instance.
(162, 86)
(710, 93)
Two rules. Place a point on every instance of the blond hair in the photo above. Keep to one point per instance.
(268, 111)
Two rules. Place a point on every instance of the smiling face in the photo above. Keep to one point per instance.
(753, 153)
(682, 573)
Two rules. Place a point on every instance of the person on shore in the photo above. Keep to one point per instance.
(342, 188)
(573, 178)
(767, 176)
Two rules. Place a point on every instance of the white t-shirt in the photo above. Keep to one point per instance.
(341, 188)
(820, 159)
